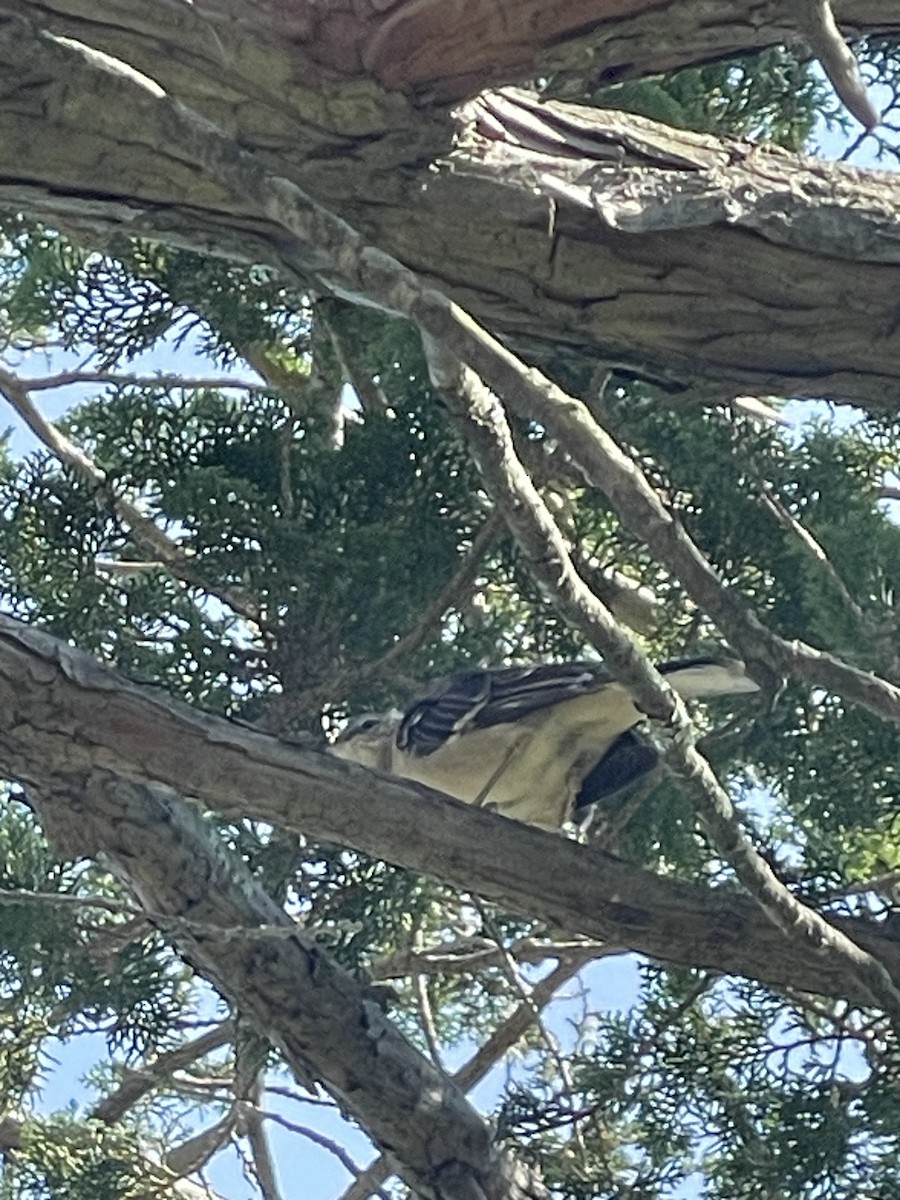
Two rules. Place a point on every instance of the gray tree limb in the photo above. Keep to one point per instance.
(594, 227)
(322, 1019)
(65, 713)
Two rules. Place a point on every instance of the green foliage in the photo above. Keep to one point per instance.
(61, 961)
(775, 96)
(343, 528)
(257, 506)
(122, 303)
(64, 1159)
(723, 1084)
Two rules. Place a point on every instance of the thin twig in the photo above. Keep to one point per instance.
(327, 1143)
(263, 1162)
(426, 1019)
(277, 1089)
(525, 994)
(249, 1082)
(137, 1083)
(520, 1020)
(64, 900)
(371, 397)
(816, 551)
(147, 534)
(474, 954)
(162, 382)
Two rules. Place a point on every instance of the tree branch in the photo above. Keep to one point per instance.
(485, 427)
(137, 1083)
(65, 713)
(164, 382)
(194, 1153)
(248, 1088)
(876, 637)
(320, 1017)
(329, 1144)
(781, 237)
(818, 26)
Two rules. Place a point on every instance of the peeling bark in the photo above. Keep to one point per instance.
(65, 714)
(440, 51)
(671, 256)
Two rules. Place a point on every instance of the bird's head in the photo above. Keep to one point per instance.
(368, 740)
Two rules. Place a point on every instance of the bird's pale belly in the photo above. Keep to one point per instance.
(531, 778)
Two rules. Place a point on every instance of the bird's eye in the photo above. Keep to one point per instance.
(359, 725)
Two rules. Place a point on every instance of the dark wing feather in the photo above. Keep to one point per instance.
(628, 759)
(479, 699)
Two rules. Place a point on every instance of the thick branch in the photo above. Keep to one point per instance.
(63, 712)
(423, 47)
(672, 254)
(321, 1018)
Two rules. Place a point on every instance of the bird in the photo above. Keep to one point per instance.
(540, 743)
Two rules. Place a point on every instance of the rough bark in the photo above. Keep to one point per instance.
(65, 714)
(672, 256)
(439, 52)
(324, 1021)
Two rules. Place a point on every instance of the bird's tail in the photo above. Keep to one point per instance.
(698, 678)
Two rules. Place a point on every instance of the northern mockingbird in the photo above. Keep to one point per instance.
(537, 743)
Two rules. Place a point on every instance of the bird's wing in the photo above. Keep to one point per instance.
(480, 699)
(628, 759)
